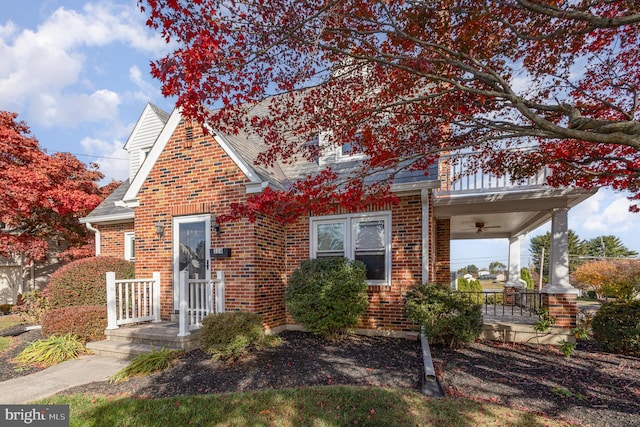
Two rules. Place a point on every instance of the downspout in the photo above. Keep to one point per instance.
(97, 233)
(426, 226)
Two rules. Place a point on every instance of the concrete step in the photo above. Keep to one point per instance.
(163, 335)
(119, 350)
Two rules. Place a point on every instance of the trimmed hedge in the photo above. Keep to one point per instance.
(328, 295)
(83, 282)
(86, 322)
(616, 327)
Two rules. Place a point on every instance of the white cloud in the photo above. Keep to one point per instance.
(74, 109)
(45, 72)
(604, 213)
(146, 90)
(113, 160)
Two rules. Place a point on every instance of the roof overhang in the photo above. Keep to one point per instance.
(505, 215)
(108, 219)
(407, 188)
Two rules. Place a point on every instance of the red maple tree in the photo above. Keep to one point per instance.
(413, 79)
(43, 196)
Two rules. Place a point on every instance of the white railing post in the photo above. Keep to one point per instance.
(112, 315)
(155, 300)
(184, 305)
(209, 296)
(220, 308)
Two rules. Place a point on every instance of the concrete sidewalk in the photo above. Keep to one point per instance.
(72, 373)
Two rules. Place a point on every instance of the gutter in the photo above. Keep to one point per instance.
(97, 233)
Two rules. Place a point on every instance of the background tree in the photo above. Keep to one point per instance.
(496, 267)
(608, 247)
(43, 196)
(469, 269)
(618, 278)
(558, 81)
(577, 249)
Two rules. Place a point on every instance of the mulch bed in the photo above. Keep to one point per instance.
(8, 368)
(300, 360)
(590, 388)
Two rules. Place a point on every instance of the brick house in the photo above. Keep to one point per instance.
(181, 179)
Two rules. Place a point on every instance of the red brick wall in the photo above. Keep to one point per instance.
(112, 238)
(196, 177)
(386, 303)
(443, 251)
(564, 307)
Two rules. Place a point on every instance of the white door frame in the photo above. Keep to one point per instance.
(177, 221)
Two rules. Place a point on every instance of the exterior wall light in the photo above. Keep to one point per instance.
(159, 229)
(216, 227)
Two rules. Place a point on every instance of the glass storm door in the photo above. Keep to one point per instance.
(191, 243)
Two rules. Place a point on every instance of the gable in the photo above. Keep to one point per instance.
(143, 135)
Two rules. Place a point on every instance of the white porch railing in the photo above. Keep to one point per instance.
(198, 299)
(132, 301)
(456, 178)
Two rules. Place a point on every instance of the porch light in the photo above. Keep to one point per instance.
(216, 227)
(159, 229)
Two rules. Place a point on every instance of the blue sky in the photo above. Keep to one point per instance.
(78, 73)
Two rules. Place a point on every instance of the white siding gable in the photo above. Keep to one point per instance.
(144, 134)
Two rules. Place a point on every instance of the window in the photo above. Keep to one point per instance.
(351, 149)
(129, 246)
(363, 237)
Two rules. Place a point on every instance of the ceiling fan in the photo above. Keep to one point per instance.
(481, 227)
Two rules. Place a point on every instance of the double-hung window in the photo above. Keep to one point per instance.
(362, 237)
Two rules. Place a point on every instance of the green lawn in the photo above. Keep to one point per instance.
(492, 285)
(314, 406)
(7, 322)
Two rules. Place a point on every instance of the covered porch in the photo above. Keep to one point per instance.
(481, 206)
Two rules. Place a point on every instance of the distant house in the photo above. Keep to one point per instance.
(181, 179)
(18, 275)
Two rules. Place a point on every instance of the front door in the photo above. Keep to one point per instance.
(191, 243)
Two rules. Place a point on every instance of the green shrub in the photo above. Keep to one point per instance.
(51, 351)
(471, 286)
(230, 335)
(86, 322)
(616, 327)
(328, 295)
(525, 275)
(146, 364)
(83, 282)
(32, 306)
(495, 299)
(447, 317)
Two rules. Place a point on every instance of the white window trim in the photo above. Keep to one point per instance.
(129, 239)
(349, 221)
(331, 153)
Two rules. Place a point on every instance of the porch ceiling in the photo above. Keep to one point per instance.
(504, 214)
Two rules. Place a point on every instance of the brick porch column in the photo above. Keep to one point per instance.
(443, 251)
(564, 307)
(559, 297)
